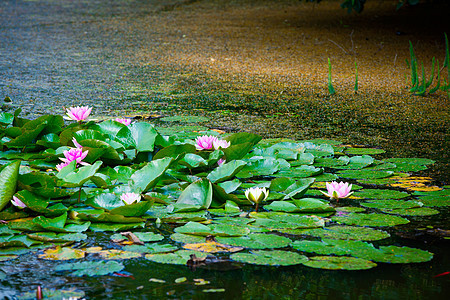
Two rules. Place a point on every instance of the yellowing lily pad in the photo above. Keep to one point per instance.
(212, 246)
(62, 253)
(117, 254)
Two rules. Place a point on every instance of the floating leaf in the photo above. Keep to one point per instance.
(256, 241)
(365, 174)
(339, 263)
(151, 248)
(142, 236)
(348, 233)
(53, 294)
(380, 194)
(62, 253)
(400, 255)
(116, 254)
(391, 204)
(198, 193)
(91, 268)
(270, 258)
(212, 246)
(148, 176)
(374, 220)
(422, 211)
(179, 257)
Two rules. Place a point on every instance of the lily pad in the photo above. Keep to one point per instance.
(270, 258)
(179, 257)
(62, 253)
(380, 194)
(360, 151)
(150, 248)
(365, 174)
(348, 233)
(91, 268)
(372, 220)
(339, 263)
(256, 241)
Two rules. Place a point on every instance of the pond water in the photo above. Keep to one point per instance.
(62, 53)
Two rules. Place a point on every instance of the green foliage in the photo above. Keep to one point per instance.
(331, 90)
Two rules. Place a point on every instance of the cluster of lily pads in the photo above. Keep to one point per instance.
(118, 176)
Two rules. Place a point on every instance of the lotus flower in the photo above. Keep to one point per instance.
(221, 161)
(78, 113)
(17, 202)
(220, 144)
(129, 198)
(338, 191)
(124, 121)
(62, 165)
(256, 195)
(205, 142)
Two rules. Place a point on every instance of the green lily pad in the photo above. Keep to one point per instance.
(52, 294)
(8, 182)
(151, 248)
(115, 226)
(372, 220)
(421, 211)
(270, 258)
(256, 241)
(179, 257)
(348, 233)
(357, 162)
(339, 263)
(391, 204)
(400, 255)
(187, 238)
(365, 174)
(380, 194)
(142, 236)
(91, 268)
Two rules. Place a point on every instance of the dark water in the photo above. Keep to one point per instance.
(56, 53)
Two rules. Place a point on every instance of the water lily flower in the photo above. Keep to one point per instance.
(78, 113)
(221, 144)
(256, 195)
(17, 202)
(129, 198)
(76, 144)
(72, 154)
(338, 191)
(205, 142)
(124, 121)
(221, 161)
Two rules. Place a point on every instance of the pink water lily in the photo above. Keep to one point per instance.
(221, 162)
(130, 198)
(73, 154)
(338, 191)
(205, 142)
(17, 202)
(76, 144)
(220, 144)
(124, 121)
(78, 113)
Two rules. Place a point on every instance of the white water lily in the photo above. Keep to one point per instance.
(130, 198)
(256, 195)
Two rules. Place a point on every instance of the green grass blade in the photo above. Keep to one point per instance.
(330, 85)
(438, 85)
(356, 78)
(432, 74)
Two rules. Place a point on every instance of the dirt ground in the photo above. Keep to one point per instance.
(263, 61)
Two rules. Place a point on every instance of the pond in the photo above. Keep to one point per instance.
(66, 53)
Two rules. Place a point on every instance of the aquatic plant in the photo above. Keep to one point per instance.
(17, 203)
(129, 198)
(330, 84)
(132, 177)
(256, 195)
(205, 142)
(419, 86)
(78, 113)
(338, 191)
